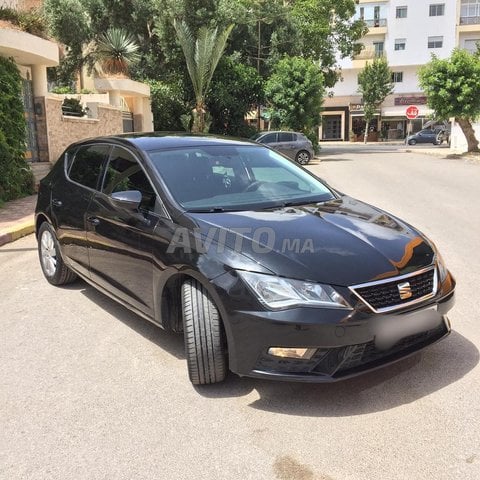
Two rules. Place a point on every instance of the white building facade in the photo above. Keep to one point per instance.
(407, 32)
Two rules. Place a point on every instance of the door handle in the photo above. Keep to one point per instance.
(93, 221)
(56, 202)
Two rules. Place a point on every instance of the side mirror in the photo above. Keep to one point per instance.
(129, 200)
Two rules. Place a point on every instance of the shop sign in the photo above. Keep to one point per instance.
(401, 101)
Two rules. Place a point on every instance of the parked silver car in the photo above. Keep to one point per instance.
(292, 144)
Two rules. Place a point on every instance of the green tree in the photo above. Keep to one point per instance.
(452, 87)
(168, 104)
(16, 177)
(374, 83)
(201, 56)
(294, 94)
(327, 28)
(235, 88)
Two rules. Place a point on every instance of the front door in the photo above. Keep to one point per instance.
(120, 240)
(332, 127)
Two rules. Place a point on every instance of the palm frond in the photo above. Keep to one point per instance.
(116, 51)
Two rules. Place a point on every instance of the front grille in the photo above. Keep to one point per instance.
(385, 296)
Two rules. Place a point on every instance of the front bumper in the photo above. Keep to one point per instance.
(346, 341)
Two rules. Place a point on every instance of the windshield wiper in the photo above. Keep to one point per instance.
(212, 210)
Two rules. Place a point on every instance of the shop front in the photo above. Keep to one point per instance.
(358, 124)
(395, 125)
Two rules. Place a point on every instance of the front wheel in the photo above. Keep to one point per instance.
(303, 157)
(53, 267)
(412, 142)
(205, 343)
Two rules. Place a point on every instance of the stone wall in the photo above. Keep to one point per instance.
(62, 130)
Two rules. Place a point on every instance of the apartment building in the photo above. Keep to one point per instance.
(407, 32)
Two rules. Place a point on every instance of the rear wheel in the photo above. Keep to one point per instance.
(205, 343)
(53, 267)
(303, 157)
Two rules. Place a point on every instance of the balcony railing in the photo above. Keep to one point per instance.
(469, 20)
(368, 54)
(377, 22)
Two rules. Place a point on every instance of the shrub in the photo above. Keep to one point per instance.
(73, 108)
(30, 21)
(16, 178)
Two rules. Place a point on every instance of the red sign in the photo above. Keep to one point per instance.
(412, 112)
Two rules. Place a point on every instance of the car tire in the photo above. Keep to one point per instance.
(205, 343)
(412, 142)
(53, 266)
(303, 157)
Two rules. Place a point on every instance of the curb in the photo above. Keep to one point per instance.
(18, 231)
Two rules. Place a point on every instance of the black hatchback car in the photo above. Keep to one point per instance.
(267, 270)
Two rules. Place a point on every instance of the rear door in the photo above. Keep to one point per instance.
(287, 144)
(120, 240)
(427, 136)
(71, 199)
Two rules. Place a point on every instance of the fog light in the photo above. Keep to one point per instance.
(305, 353)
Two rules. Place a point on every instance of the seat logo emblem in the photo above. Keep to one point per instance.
(404, 290)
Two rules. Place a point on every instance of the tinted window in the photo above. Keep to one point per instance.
(87, 165)
(125, 173)
(285, 137)
(235, 177)
(269, 138)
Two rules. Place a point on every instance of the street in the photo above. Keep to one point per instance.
(92, 391)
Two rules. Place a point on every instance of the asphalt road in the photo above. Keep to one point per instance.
(91, 391)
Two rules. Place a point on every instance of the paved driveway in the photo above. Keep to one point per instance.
(91, 391)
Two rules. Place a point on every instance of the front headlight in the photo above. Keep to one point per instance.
(277, 293)
(442, 269)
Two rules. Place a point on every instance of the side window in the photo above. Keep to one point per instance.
(87, 165)
(285, 137)
(269, 138)
(124, 173)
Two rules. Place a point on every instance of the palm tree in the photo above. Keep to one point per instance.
(202, 56)
(116, 50)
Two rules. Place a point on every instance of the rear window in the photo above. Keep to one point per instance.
(285, 137)
(87, 165)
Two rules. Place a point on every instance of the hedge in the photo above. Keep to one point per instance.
(16, 179)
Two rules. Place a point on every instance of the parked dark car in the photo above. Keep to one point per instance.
(424, 136)
(267, 270)
(292, 144)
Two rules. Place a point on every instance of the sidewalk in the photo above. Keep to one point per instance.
(16, 219)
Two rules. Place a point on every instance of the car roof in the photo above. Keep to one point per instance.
(279, 131)
(165, 140)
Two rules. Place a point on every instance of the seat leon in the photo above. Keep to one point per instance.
(268, 271)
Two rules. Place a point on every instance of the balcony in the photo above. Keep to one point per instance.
(469, 24)
(361, 59)
(469, 20)
(376, 26)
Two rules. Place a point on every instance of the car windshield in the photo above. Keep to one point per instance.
(235, 177)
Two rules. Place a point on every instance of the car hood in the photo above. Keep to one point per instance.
(341, 242)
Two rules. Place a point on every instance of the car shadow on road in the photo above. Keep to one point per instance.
(335, 159)
(401, 383)
(169, 341)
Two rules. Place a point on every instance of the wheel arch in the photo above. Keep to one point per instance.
(39, 220)
(168, 298)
